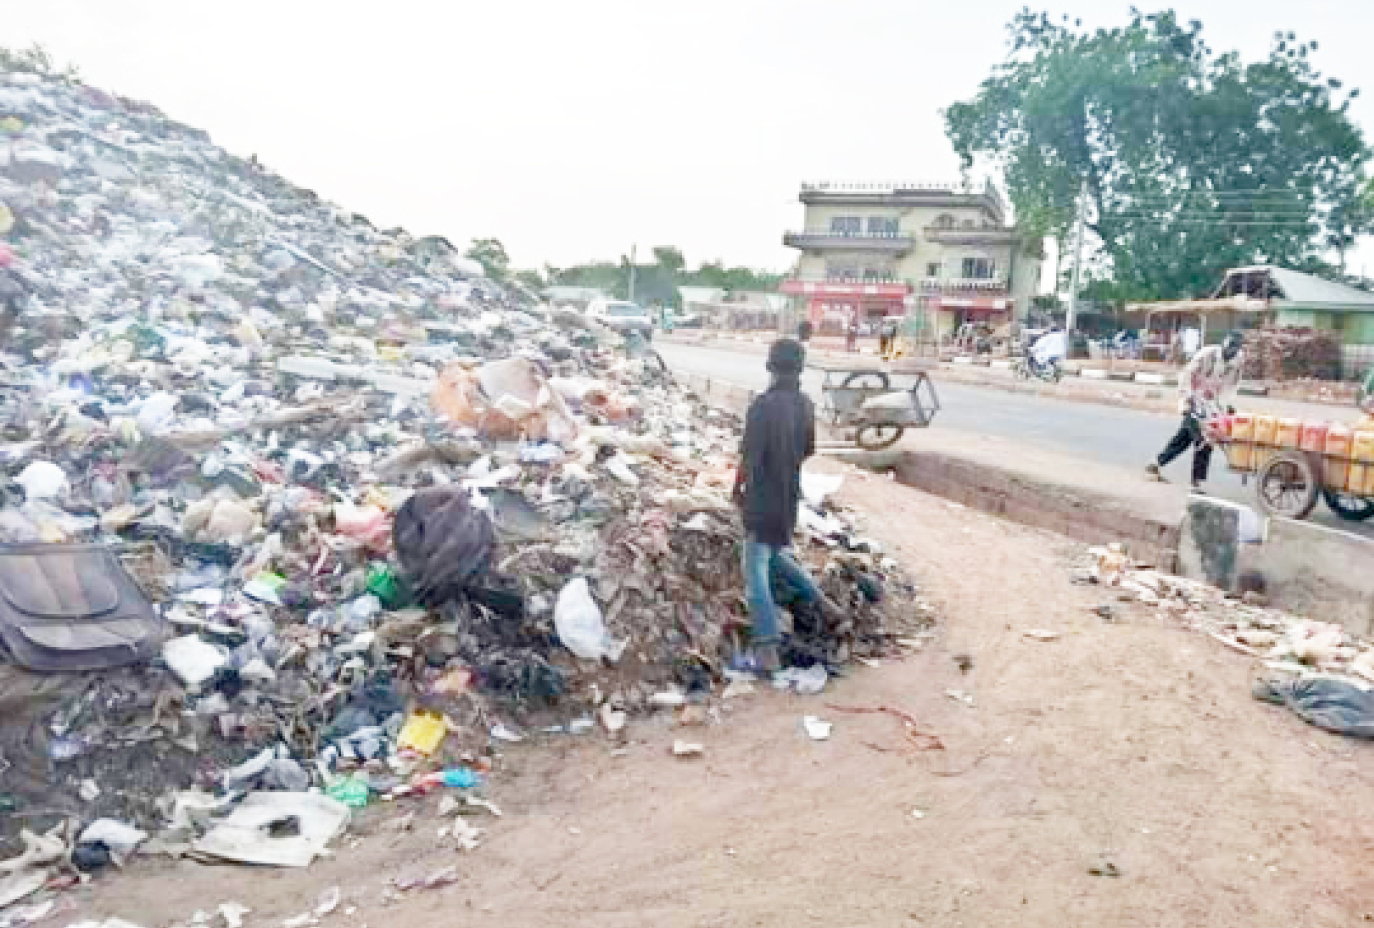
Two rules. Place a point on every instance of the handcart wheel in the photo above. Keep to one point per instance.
(876, 437)
(868, 380)
(1348, 507)
(1288, 485)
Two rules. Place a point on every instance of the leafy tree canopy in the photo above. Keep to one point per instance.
(1193, 161)
(491, 254)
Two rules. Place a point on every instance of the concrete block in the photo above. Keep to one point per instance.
(1306, 569)
(1157, 380)
(963, 359)
(1001, 364)
(1121, 375)
(1092, 373)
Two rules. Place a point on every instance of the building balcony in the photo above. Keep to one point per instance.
(964, 285)
(889, 288)
(957, 236)
(893, 243)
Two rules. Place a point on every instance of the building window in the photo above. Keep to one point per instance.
(882, 227)
(878, 275)
(835, 271)
(979, 268)
(933, 269)
(846, 225)
(944, 221)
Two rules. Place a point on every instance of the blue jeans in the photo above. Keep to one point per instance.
(762, 564)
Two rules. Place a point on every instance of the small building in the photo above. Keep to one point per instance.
(575, 297)
(1251, 297)
(716, 307)
(942, 252)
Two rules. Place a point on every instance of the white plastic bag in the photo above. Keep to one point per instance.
(42, 480)
(580, 627)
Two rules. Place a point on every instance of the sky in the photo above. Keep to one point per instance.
(575, 130)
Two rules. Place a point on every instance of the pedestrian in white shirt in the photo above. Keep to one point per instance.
(1204, 391)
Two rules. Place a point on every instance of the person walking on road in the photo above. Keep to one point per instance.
(779, 435)
(1204, 388)
(851, 335)
(886, 333)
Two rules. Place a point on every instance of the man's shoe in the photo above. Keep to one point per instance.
(766, 660)
(1152, 471)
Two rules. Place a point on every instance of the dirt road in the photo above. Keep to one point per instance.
(1125, 744)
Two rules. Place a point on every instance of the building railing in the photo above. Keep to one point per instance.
(996, 284)
(836, 233)
(891, 187)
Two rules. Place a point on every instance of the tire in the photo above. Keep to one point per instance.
(873, 437)
(1350, 508)
(1287, 485)
(869, 380)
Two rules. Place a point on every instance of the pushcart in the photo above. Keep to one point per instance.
(1290, 481)
(861, 397)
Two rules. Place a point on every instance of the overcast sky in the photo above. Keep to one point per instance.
(571, 129)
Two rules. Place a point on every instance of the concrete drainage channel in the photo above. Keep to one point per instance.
(1306, 569)
(1078, 514)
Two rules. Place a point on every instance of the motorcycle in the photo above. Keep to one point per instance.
(1025, 368)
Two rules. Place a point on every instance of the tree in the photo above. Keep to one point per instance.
(1191, 162)
(670, 259)
(530, 278)
(35, 60)
(491, 254)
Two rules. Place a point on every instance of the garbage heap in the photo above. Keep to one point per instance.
(289, 502)
(1317, 669)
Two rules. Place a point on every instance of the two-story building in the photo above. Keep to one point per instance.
(939, 252)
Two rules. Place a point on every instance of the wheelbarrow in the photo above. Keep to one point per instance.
(862, 399)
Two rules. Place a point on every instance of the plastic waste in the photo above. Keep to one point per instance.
(454, 778)
(118, 837)
(193, 660)
(370, 525)
(422, 733)
(42, 480)
(817, 729)
(1330, 704)
(804, 681)
(157, 414)
(276, 829)
(580, 626)
(353, 791)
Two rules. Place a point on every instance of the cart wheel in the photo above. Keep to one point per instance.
(872, 437)
(1350, 508)
(868, 380)
(1287, 485)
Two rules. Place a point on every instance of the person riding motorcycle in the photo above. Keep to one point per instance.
(1048, 351)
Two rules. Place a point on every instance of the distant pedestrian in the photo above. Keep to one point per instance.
(851, 336)
(1204, 389)
(779, 435)
(887, 333)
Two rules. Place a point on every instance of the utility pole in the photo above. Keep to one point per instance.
(632, 273)
(1071, 317)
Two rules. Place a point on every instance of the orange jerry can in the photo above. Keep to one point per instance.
(1362, 470)
(1339, 444)
(1241, 450)
(1314, 437)
(1289, 433)
(1266, 439)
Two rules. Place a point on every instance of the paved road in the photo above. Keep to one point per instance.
(1120, 438)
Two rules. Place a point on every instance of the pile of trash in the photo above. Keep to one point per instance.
(1317, 669)
(297, 512)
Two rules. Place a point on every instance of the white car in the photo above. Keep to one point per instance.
(623, 316)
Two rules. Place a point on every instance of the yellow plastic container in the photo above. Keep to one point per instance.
(1266, 439)
(1241, 452)
(422, 733)
(1339, 442)
(1363, 447)
(1289, 433)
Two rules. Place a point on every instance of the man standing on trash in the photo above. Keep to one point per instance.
(779, 434)
(1205, 388)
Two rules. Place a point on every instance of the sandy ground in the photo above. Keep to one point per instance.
(1123, 743)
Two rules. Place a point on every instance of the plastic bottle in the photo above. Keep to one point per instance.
(1337, 465)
